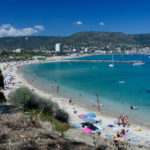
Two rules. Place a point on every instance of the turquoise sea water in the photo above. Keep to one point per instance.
(137, 57)
(89, 78)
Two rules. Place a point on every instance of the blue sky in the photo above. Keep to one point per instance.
(65, 17)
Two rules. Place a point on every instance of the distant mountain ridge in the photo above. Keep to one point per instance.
(99, 40)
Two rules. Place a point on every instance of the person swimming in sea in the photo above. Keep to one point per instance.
(135, 107)
(131, 107)
(70, 100)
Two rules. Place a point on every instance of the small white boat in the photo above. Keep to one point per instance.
(138, 63)
(111, 65)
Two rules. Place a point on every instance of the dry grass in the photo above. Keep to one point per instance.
(18, 133)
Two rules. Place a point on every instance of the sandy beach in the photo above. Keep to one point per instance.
(142, 137)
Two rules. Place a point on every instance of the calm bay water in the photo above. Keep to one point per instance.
(117, 87)
(145, 58)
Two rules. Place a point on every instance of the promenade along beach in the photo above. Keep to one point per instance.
(86, 83)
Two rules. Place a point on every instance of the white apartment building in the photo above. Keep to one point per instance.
(58, 48)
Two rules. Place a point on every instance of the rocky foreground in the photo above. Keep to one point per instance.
(17, 133)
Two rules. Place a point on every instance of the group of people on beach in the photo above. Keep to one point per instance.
(124, 120)
(52, 88)
(99, 105)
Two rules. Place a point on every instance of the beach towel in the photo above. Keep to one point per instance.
(110, 125)
(116, 129)
(108, 135)
(75, 125)
(116, 121)
(134, 139)
(138, 130)
(125, 135)
(87, 130)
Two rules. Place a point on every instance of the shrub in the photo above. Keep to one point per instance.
(25, 98)
(59, 125)
(48, 106)
(21, 97)
(61, 115)
(31, 103)
(2, 97)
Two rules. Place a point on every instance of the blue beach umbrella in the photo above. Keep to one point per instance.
(89, 120)
(92, 115)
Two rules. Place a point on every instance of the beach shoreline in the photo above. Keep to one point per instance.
(64, 104)
(105, 112)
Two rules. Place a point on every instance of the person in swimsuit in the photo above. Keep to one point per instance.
(92, 103)
(70, 101)
(131, 107)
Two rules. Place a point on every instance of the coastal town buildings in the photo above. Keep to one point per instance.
(17, 50)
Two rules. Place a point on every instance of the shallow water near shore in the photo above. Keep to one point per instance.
(117, 87)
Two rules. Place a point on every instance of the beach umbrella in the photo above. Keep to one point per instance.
(87, 130)
(82, 116)
(75, 125)
(92, 115)
(92, 121)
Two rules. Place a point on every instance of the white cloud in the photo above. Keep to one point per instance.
(101, 23)
(39, 27)
(79, 22)
(9, 30)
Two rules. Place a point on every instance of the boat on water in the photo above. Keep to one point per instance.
(112, 64)
(138, 63)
